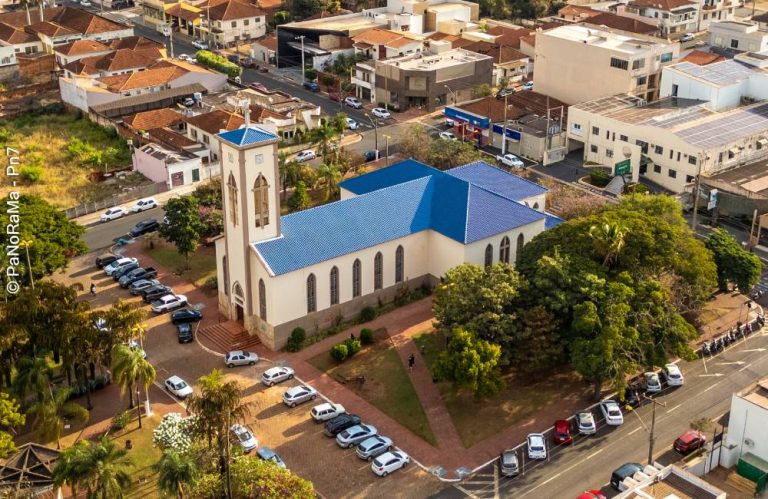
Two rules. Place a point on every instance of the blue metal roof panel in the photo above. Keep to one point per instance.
(497, 181)
(490, 214)
(552, 221)
(449, 206)
(247, 136)
(404, 171)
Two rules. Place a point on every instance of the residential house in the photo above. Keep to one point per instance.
(508, 64)
(167, 166)
(576, 13)
(233, 21)
(674, 17)
(380, 43)
(738, 36)
(203, 128)
(578, 63)
(264, 49)
(79, 49)
(118, 62)
(711, 11)
(623, 23)
(667, 482)
(761, 20)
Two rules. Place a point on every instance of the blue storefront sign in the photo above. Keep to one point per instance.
(463, 116)
(511, 134)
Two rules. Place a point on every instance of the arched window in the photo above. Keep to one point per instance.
(356, 274)
(225, 271)
(520, 244)
(311, 294)
(232, 190)
(261, 201)
(489, 255)
(334, 286)
(399, 263)
(535, 206)
(378, 271)
(504, 250)
(262, 300)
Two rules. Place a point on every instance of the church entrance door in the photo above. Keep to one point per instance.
(239, 314)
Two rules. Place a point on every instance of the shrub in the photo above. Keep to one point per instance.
(31, 173)
(353, 346)
(310, 73)
(599, 178)
(339, 352)
(366, 336)
(211, 283)
(367, 314)
(121, 420)
(296, 340)
(219, 63)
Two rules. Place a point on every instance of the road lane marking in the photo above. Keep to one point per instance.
(745, 367)
(675, 407)
(710, 375)
(470, 494)
(564, 471)
(710, 387)
(635, 430)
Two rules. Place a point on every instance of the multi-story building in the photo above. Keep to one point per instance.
(738, 36)
(745, 440)
(714, 10)
(674, 17)
(578, 63)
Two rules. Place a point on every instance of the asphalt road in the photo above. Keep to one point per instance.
(589, 462)
(103, 235)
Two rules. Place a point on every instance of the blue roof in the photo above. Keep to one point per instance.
(432, 200)
(497, 181)
(247, 136)
(552, 221)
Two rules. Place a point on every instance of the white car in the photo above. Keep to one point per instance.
(324, 412)
(168, 302)
(200, 45)
(244, 437)
(353, 102)
(446, 135)
(382, 113)
(652, 382)
(527, 85)
(352, 124)
(85, 3)
(673, 375)
(113, 214)
(275, 375)
(144, 204)
(178, 387)
(585, 422)
(183, 57)
(355, 434)
(305, 155)
(510, 160)
(240, 358)
(389, 462)
(611, 412)
(298, 394)
(118, 264)
(687, 37)
(537, 447)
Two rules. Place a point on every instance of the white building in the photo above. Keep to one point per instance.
(715, 10)
(747, 422)
(402, 226)
(162, 165)
(741, 36)
(674, 17)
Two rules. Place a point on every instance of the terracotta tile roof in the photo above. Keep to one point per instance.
(268, 42)
(118, 60)
(270, 4)
(508, 36)
(51, 29)
(577, 10)
(171, 138)
(622, 23)
(12, 35)
(152, 77)
(461, 43)
(135, 43)
(661, 4)
(400, 42)
(229, 10)
(85, 22)
(260, 113)
(18, 19)
(185, 12)
(216, 121)
(529, 40)
(80, 47)
(501, 53)
(702, 58)
(377, 36)
(157, 118)
(492, 108)
(61, 20)
(443, 36)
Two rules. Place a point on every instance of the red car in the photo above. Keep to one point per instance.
(689, 441)
(258, 86)
(562, 434)
(592, 494)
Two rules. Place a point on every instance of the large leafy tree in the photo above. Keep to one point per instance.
(734, 264)
(253, 477)
(50, 414)
(184, 228)
(472, 363)
(10, 418)
(97, 467)
(442, 154)
(129, 367)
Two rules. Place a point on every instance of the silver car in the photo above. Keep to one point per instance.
(509, 464)
(298, 394)
(374, 446)
(137, 286)
(276, 375)
(240, 358)
(354, 435)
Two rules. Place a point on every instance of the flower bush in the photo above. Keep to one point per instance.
(174, 432)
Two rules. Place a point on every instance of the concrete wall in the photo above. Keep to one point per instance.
(748, 421)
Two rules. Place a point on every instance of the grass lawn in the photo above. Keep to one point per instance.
(477, 420)
(202, 265)
(387, 385)
(141, 457)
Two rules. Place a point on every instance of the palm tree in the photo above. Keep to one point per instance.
(53, 411)
(73, 466)
(175, 470)
(323, 135)
(329, 175)
(128, 365)
(609, 241)
(96, 467)
(32, 375)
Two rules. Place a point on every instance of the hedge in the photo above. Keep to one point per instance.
(366, 336)
(339, 352)
(219, 63)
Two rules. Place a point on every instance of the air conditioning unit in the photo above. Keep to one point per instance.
(749, 442)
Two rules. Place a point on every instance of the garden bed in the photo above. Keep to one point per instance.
(202, 265)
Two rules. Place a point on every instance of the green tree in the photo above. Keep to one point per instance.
(50, 414)
(325, 135)
(483, 90)
(184, 228)
(33, 375)
(299, 200)
(253, 477)
(209, 194)
(329, 175)
(97, 467)
(290, 171)
(310, 73)
(470, 362)
(128, 367)
(541, 345)
(734, 263)
(609, 241)
(176, 472)
(10, 418)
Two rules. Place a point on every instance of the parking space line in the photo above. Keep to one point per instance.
(745, 367)
(635, 431)
(674, 408)
(470, 494)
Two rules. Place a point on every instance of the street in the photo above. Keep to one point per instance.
(103, 235)
(589, 462)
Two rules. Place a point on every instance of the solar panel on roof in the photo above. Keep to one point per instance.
(718, 73)
(728, 128)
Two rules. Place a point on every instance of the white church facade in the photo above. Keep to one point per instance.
(404, 225)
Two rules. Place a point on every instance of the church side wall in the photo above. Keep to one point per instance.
(475, 252)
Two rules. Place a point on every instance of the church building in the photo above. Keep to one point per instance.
(403, 225)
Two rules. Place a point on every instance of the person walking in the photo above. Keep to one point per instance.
(411, 362)
(93, 288)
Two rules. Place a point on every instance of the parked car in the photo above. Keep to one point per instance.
(268, 454)
(352, 124)
(244, 437)
(168, 302)
(373, 446)
(240, 358)
(652, 382)
(184, 333)
(151, 294)
(200, 45)
(341, 423)
(186, 316)
(355, 434)
(183, 57)
(446, 135)
(325, 412)
(672, 375)
(188, 101)
(537, 446)
(113, 214)
(258, 86)
(508, 463)
(85, 3)
(562, 434)
(585, 422)
(370, 156)
(276, 375)
(510, 160)
(624, 471)
(144, 227)
(353, 102)
(144, 205)
(611, 412)
(689, 441)
(118, 264)
(137, 287)
(382, 113)
(504, 92)
(632, 397)
(117, 274)
(136, 275)
(591, 494)
(305, 155)
(687, 37)
(389, 462)
(178, 387)
(299, 394)
(233, 58)
(527, 85)
(105, 259)
(312, 86)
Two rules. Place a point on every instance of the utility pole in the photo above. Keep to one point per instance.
(696, 186)
(652, 437)
(138, 404)
(504, 131)
(387, 137)
(171, 40)
(303, 78)
(375, 134)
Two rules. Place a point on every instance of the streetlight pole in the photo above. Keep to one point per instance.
(26, 243)
(696, 187)
(452, 93)
(138, 404)
(387, 137)
(301, 38)
(375, 133)
(652, 437)
(504, 131)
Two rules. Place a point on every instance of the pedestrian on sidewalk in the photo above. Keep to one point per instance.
(93, 288)
(411, 362)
